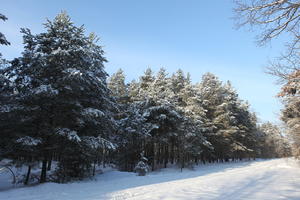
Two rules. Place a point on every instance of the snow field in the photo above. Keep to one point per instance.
(263, 179)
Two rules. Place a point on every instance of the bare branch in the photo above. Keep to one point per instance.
(273, 16)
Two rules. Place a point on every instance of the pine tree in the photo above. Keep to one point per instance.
(7, 102)
(62, 84)
(116, 84)
(145, 84)
(132, 135)
(3, 40)
(160, 90)
(164, 122)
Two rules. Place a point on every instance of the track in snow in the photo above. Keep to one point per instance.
(267, 180)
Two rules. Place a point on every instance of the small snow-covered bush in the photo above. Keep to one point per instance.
(142, 167)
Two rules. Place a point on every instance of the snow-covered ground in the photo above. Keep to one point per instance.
(265, 179)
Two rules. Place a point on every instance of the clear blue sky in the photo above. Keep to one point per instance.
(196, 36)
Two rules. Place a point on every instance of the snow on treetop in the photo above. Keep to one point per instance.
(69, 134)
(28, 141)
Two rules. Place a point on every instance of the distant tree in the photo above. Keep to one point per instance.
(145, 83)
(274, 144)
(118, 87)
(160, 87)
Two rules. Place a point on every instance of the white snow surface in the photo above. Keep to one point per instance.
(253, 180)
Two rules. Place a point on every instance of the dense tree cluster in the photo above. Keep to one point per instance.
(57, 107)
(175, 121)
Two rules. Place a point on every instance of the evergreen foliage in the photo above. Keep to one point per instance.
(62, 96)
(57, 106)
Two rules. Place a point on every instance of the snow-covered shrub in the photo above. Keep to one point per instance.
(142, 167)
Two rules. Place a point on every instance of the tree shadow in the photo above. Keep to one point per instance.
(125, 180)
(103, 185)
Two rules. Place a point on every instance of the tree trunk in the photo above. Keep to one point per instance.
(44, 171)
(49, 164)
(103, 158)
(28, 175)
(166, 156)
(154, 157)
(94, 167)
(172, 153)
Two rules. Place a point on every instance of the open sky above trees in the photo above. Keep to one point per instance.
(196, 36)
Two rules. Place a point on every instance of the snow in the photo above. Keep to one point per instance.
(263, 179)
(69, 134)
(73, 71)
(98, 142)
(29, 141)
(60, 51)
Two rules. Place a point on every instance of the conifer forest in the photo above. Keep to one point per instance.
(63, 118)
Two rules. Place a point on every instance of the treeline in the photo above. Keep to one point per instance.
(57, 107)
(175, 121)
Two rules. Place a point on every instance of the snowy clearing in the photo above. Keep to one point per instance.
(266, 179)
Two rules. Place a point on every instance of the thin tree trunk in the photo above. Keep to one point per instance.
(154, 157)
(44, 171)
(28, 175)
(49, 164)
(94, 167)
(166, 156)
